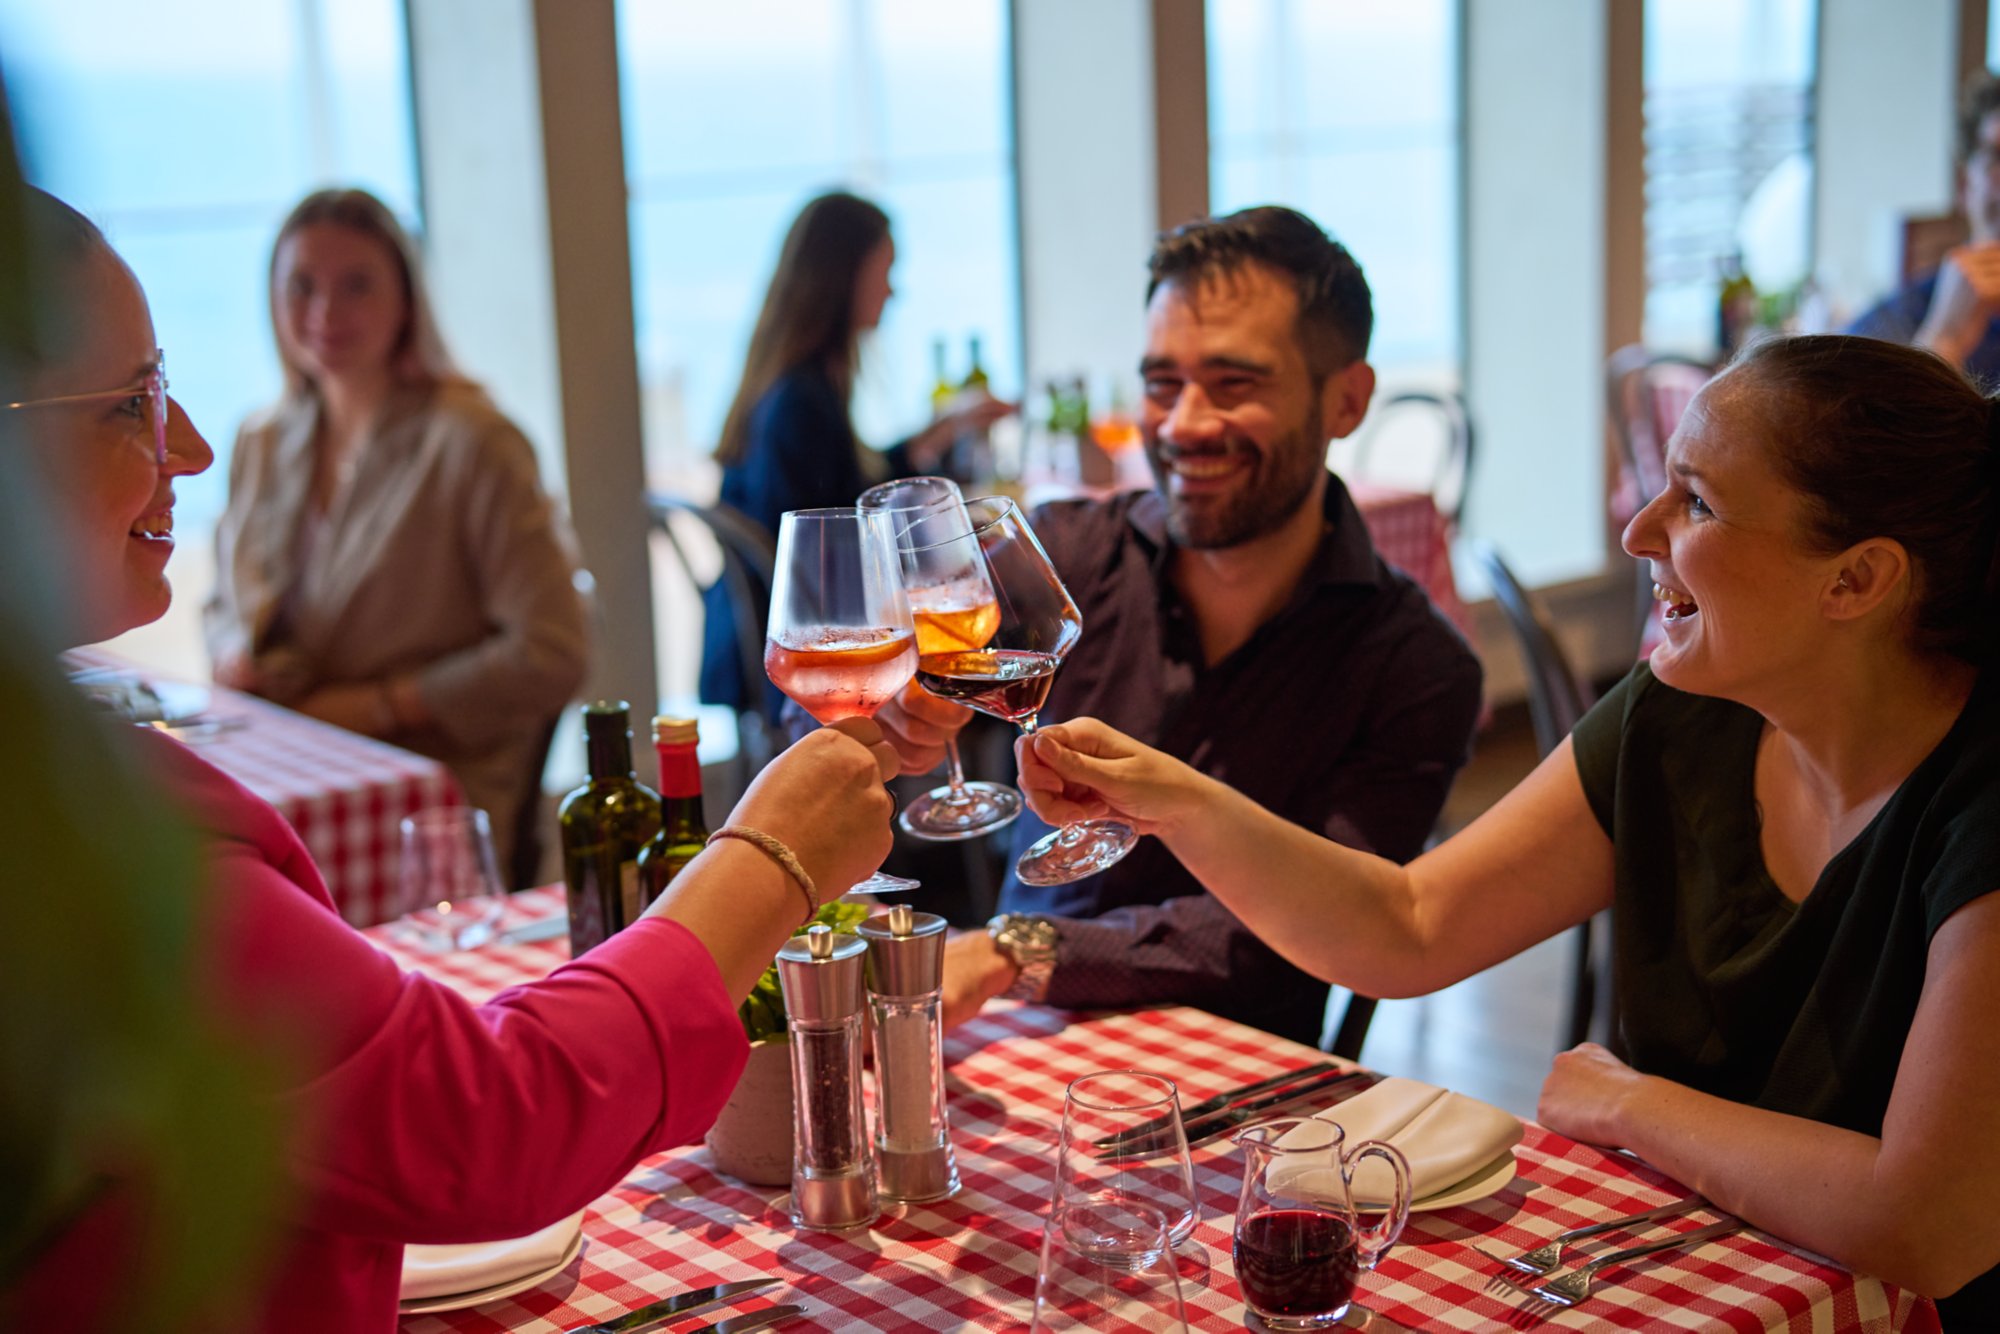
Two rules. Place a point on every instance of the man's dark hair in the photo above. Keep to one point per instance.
(1336, 315)
(1980, 98)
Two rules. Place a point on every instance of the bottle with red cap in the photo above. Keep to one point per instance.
(683, 827)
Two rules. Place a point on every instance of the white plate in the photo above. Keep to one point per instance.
(1488, 1180)
(181, 702)
(458, 1301)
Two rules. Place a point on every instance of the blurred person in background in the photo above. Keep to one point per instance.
(389, 561)
(1953, 309)
(788, 441)
(413, 1115)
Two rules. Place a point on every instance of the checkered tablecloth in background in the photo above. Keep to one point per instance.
(345, 794)
(969, 1262)
(1414, 536)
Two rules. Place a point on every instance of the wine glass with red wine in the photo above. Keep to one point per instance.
(1010, 677)
(840, 641)
(954, 609)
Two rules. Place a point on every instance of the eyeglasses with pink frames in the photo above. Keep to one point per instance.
(152, 386)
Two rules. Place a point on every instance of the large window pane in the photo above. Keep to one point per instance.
(187, 132)
(735, 115)
(1729, 136)
(1348, 111)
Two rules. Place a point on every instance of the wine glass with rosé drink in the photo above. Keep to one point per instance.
(840, 641)
(953, 607)
(1010, 675)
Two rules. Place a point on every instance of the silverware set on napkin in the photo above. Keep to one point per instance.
(1529, 1273)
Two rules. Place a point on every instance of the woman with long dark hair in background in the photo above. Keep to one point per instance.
(788, 442)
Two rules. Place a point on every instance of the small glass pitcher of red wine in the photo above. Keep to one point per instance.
(1299, 1246)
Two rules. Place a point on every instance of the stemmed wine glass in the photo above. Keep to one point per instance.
(1011, 676)
(954, 609)
(840, 641)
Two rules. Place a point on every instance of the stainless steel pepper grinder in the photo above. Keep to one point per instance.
(913, 1155)
(833, 1179)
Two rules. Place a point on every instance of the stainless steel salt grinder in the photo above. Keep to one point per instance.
(833, 1179)
(913, 1156)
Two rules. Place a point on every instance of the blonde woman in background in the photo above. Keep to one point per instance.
(389, 561)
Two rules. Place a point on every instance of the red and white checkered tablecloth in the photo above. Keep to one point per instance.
(969, 1262)
(1414, 536)
(345, 794)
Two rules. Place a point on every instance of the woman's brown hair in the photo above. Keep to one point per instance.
(808, 314)
(420, 353)
(1887, 441)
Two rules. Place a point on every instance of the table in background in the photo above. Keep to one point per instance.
(969, 1262)
(344, 793)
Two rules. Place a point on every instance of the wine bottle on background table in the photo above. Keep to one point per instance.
(972, 452)
(683, 827)
(604, 824)
(943, 391)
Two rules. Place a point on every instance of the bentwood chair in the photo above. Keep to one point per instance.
(1401, 418)
(1646, 393)
(1557, 699)
(748, 559)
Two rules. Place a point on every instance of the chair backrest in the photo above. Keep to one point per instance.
(1452, 475)
(524, 860)
(1556, 697)
(749, 565)
(1647, 392)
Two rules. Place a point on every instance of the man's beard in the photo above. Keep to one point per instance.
(1281, 481)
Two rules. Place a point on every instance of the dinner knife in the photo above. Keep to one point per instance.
(683, 1303)
(1220, 1101)
(743, 1324)
(1215, 1125)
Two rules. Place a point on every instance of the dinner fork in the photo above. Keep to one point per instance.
(1574, 1287)
(1546, 1259)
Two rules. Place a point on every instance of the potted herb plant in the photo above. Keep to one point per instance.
(752, 1136)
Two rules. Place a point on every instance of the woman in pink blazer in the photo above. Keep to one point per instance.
(413, 1115)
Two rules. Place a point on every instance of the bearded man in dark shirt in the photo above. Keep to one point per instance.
(1238, 617)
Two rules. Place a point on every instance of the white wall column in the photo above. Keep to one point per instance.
(523, 167)
(1104, 165)
(1888, 88)
(1536, 302)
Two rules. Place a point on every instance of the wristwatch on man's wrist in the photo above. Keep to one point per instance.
(1030, 944)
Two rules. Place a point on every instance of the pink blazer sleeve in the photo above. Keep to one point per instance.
(422, 1117)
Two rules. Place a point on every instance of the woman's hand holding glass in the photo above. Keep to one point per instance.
(823, 798)
(840, 641)
(1087, 770)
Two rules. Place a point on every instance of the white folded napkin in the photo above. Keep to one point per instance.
(1445, 1137)
(445, 1271)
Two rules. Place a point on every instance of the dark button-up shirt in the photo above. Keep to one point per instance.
(1348, 712)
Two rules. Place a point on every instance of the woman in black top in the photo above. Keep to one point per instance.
(788, 443)
(1794, 810)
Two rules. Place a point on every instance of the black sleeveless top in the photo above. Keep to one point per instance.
(1727, 986)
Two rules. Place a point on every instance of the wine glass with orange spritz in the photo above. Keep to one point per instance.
(840, 641)
(1010, 674)
(954, 609)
